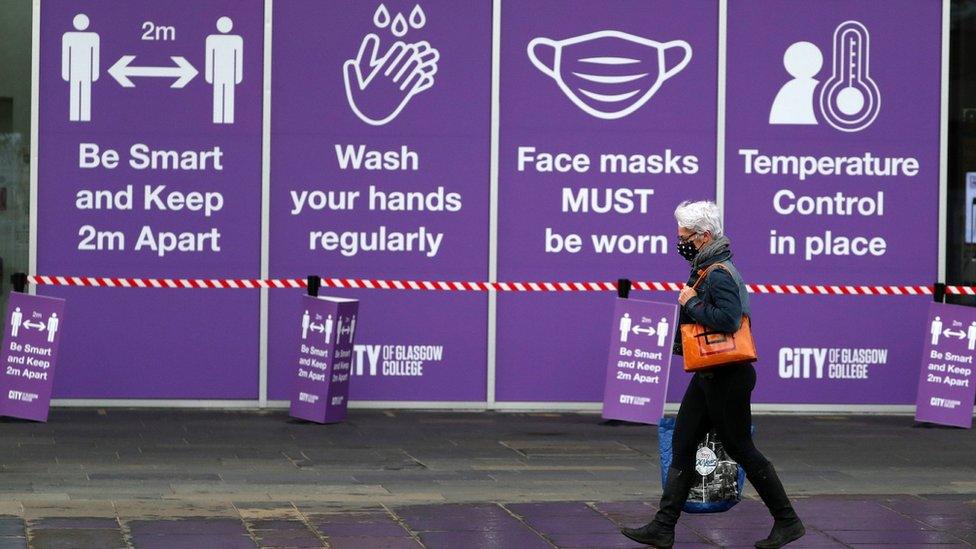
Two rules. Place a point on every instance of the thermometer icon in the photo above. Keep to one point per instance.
(850, 100)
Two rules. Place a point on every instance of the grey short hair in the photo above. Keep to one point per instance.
(700, 217)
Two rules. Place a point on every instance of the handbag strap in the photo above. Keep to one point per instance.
(704, 273)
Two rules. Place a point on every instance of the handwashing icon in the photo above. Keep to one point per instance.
(382, 79)
(608, 74)
(849, 99)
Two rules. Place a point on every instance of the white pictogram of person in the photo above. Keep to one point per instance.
(625, 324)
(225, 69)
(662, 331)
(352, 328)
(16, 319)
(971, 335)
(80, 51)
(52, 327)
(936, 330)
(794, 104)
(306, 322)
(328, 329)
(338, 330)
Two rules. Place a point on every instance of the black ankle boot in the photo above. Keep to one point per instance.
(787, 527)
(660, 531)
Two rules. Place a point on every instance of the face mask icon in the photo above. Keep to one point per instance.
(609, 74)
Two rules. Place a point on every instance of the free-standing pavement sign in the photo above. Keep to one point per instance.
(946, 386)
(30, 349)
(328, 327)
(640, 356)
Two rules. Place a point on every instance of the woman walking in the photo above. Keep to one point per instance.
(717, 399)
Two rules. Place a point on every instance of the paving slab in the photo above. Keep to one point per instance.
(375, 542)
(12, 526)
(65, 538)
(484, 540)
(287, 538)
(194, 541)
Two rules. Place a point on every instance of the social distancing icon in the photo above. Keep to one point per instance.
(324, 327)
(627, 328)
(938, 331)
(18, 324)
(80, 67)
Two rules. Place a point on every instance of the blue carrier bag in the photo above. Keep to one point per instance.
(719, 479)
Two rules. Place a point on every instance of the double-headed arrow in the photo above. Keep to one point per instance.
(950, 333)
(317, 328)
(38, 326)
(638, 330)
(183, 71)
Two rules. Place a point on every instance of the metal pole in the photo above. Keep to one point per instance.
(623, 288)
(19, 280)
(314, 283)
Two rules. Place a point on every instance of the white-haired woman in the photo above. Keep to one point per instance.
(718, 399)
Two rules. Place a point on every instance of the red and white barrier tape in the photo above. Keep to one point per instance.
(182, 283)
(359, 283)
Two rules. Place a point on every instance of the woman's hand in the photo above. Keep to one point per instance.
(686, 293)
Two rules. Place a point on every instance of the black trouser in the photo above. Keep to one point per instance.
(718, 400)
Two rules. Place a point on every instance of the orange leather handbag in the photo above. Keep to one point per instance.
(705, 348)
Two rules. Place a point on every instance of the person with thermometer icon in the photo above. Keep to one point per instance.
(849, 100)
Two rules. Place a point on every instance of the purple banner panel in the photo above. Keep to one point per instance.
(30, 351)
(640, 358)
(150, 166)
(325, 353)
(608, 121)
(832, 177)
(946, 384)
(380, 169)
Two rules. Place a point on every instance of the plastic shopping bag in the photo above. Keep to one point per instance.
(719, 479)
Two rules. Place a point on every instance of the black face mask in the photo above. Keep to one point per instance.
(687, 250)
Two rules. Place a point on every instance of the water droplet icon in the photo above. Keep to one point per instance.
(399, 26)
(417, 17)
(382, 17)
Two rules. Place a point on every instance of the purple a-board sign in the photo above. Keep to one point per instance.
(324, 362)
(640, 357)
(607, 122)
(946, 382)
(150, 166)
(380, 170)
(30, 352)
(832, 177)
